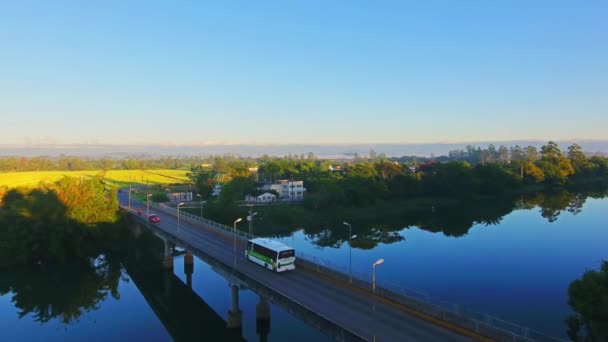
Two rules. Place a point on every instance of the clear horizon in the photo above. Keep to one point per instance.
(340, 73)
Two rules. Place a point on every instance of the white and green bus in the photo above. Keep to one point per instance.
(273, 255)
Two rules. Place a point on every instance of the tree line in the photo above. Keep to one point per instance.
(363, 181)
(73, 163)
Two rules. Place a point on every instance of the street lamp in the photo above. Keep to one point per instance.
(148, 204)
(234, 238)
(250, 219)
(130, 189)
(378, 262)
(350, 252)
(179, 205)
(199, 195)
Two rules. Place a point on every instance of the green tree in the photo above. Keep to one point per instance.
(203, 179)
(517, 154)
(389, 170)
(588, 297)
(531, 154)
(88, 200)
(362, 170)
(550, 151)
(582, 166)
(532, 173)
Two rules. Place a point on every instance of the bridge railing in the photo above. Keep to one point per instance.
(218, 227)
(420, 301)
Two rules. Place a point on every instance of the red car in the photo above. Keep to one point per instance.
(154, 218)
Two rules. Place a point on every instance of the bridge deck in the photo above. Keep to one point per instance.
(360, 314)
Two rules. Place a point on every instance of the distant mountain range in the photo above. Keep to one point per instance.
(321, 151)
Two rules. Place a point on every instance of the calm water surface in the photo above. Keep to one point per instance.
(518, 269)
(516, 266)
(149, 304)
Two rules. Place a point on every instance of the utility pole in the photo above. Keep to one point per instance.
(250, 219)
(129, 196)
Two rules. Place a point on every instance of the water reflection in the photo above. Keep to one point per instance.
(62, 292)
(454, 218)
(183, 313)
(69, 294)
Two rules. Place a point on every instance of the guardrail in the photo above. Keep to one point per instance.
(482, 323)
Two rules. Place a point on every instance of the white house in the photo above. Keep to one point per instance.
(287, 189)
(266, 197)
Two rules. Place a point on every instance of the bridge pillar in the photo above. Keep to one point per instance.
(168, 258)
(189, 267)
(262, 319)
(136, 230)
(235, 317)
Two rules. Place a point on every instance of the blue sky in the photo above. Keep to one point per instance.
(272, 72)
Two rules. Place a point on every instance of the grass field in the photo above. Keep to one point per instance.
(117, 178)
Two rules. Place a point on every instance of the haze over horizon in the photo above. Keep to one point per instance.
(313, 73)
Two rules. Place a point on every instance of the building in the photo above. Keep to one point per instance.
(287, 189)
(177, 197)
(266, 197)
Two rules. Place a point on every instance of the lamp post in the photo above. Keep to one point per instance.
(179, 205)
(199, 195)
(350, 252)
(130, 189)
(234, 239)
(148, 204)
(250, 219)
(378, 262)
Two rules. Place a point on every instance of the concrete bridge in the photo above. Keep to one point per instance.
(360, 315)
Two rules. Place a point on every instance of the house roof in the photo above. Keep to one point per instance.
(267, 193)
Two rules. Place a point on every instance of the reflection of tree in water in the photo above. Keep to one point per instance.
(382, 223)
(588, 297)
(553, 204)
(367, 239)
(455, 219)
(64, 292)
(54, 265)
(576, 204)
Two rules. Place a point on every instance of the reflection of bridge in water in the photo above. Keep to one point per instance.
(183, 313)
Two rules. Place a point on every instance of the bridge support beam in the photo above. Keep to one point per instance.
(168, 259)
(188, 267)
(262, 319)
(235, 315)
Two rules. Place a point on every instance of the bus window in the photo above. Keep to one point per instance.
(286, 254)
